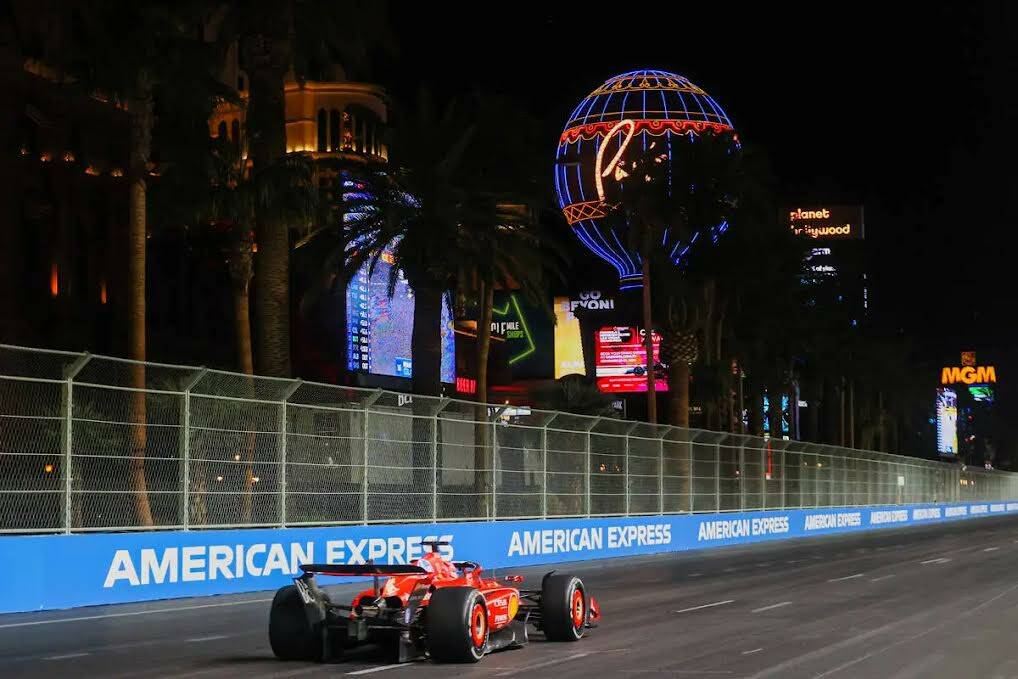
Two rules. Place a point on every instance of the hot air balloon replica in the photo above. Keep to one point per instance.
(630, 114)
(633, 135)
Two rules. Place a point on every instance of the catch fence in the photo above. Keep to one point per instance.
(94, 443)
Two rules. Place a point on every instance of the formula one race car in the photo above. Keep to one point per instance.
(431, 608)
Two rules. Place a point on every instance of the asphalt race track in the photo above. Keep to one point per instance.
(940, 601)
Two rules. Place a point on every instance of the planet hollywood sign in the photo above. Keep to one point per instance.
(838, 222)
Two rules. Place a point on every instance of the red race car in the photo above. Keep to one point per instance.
(433, 608)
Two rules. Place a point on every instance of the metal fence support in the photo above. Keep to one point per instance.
(368, 402)
(717, 477)
(661, 477)
(742, 477)
(784, 470)
(68, 436)
(185, 451)
(544, 465)
(590, 471)
(625, 467)
(281, 449)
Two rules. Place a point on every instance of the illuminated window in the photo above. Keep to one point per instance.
(323, 130)
(54, 280)
(334, 130)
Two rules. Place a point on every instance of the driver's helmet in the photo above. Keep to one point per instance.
(432, 562)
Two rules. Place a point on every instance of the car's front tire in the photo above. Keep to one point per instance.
(564, 606)
(290, 635)
(457, 625)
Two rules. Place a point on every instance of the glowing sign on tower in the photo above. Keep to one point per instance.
(629, 114)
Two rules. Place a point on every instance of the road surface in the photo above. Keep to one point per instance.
(939, 601)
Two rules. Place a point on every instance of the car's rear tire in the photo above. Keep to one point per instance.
(290, 635)
(564, 606)
(457, 625)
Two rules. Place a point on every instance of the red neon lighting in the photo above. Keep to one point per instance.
(653, 127)
(465, 385)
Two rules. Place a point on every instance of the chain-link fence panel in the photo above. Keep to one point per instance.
(98, 443)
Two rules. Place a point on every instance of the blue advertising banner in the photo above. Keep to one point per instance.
(40, 572)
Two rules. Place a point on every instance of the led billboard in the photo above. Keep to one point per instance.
(568, 335)
(621, 360)
(380, 327)
(947, 421)
(526, 330)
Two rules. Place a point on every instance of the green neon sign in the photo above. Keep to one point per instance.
(512, 304)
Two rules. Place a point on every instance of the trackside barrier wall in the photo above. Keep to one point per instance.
(62, 571)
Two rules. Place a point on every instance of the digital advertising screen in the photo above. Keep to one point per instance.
(621, 361)
(598, 308)
(526, 330)
(947, 421)
(568, 341)
(380, 327)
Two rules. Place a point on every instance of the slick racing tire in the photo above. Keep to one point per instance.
(563, 607)
(457, 625)
(290, 635)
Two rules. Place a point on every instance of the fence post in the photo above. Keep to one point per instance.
(742, 476)
(281, 449)
(434, 468)
(494, 462)
(434, 460)
(660, 476)
(784, 471)
(368, 402)
(68, 434)
(717, 477)
(625, 467)
(544, 466)
(589, 459)
(185, 451)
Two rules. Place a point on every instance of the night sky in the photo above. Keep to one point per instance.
(908, 111)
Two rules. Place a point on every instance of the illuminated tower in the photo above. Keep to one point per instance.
(621, 118)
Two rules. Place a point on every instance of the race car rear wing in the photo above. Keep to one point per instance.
(363, 570)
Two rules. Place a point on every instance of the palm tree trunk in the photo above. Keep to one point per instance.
(648, 343)
(484, 467)
(266, 58)
(141, 143)
(678, 382)
(426, 341)
(242, 326)
(484, 340)
(426, 378)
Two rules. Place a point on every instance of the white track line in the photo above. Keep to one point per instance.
(66, 656)
(847, 577)
(697, 608)
(214, 637)
(32, 623)
(991, 549)
(771, 607)
(755, 650)
(380, 668)
(882, 577)
(934, 561)
(537, 666)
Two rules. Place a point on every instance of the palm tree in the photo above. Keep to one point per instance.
(305, 37)
(414, 211)
(128, 53)
(667, 205)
